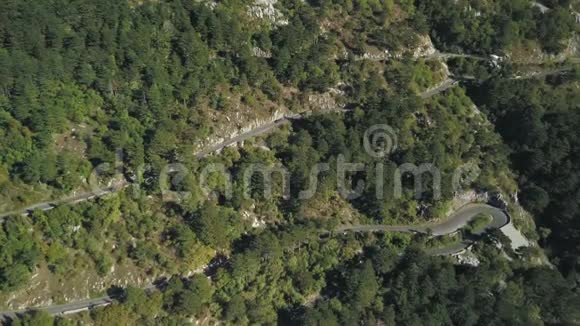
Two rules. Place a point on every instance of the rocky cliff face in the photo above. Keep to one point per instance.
(260, 9)
(47, 288)
(265, 10)
(424, 48)
(259, 53)
(466, 197)
(241, 120)
(534, 55)
(238, 124)
(328, 101)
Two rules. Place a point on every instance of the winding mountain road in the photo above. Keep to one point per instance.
(63, 309)
(442, 87)
(451, 225)
(380, 57)
(241, 137)
(46, 206)
(446, 55)
(260, 130)
(455, 222)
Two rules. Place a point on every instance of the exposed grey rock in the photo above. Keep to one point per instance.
(424, 48)
(264, 9)
(326, 101)
(259, 53)
(214, 140)
(516, 237)
(467, 258)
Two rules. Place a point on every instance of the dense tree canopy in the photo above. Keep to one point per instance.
(84, 82)
(541, 124)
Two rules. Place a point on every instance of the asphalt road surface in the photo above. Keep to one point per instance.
(445, 85)
(452, 224)
(45, 206)
(455, 222)
(63, 309)
(445, 55)
(241, 137)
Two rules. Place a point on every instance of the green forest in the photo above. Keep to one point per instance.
(543, 149)
(82, 82)
(358, 281)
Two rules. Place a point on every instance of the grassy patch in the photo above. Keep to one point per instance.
(443, 241)
(479, 223)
